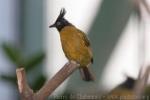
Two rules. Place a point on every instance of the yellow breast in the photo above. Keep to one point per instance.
(74, 47)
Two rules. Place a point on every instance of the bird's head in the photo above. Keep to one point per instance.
(129, 83)
(61, 22)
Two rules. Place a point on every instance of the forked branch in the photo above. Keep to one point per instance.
(27, 93)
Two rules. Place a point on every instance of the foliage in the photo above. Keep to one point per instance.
(30, 64)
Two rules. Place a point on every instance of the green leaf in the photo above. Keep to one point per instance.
(34, 60)
(13, 53)
(39, 82)
(11, 79)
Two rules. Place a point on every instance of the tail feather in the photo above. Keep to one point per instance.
(86, 74)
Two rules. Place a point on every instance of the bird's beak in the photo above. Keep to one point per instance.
(53, 25)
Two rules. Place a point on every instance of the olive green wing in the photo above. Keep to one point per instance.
(86, 42)
(84, 38)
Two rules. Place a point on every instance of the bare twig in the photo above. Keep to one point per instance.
(27, 93)
(145, 4)
(137, 4)
(24, 89)
(52, 84)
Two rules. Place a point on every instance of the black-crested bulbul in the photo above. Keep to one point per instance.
(75, 45)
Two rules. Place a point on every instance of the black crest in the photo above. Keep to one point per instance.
(62, 14)
(61, 22)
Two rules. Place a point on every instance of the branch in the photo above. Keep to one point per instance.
(24, 89)
(27, 93)
(145, 4)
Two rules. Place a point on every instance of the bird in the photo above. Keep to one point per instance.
(124, 91)
(75, 44)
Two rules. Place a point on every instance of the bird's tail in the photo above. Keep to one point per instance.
(86, 74)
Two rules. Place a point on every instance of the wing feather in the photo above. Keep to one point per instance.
(86, 42)
(84, 38)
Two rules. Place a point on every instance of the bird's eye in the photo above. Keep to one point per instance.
(58, 23)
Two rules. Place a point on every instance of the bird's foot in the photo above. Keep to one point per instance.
(74, 62)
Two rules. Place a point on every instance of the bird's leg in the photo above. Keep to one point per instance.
(74, 62)
(68, 63)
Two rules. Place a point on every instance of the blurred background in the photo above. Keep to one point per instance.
(118, 31)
